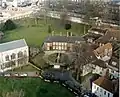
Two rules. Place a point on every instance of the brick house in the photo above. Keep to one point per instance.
(64, 43)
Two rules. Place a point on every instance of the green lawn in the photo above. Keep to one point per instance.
(35, 35)
(25, 69)
(33, 87)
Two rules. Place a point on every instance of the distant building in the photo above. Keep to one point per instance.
(111, 35)
(13, 54)
(113, 12)
(103, 87)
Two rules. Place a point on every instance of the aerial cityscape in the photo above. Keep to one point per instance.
(59, 48)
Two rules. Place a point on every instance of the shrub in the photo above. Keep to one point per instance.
(8, 25)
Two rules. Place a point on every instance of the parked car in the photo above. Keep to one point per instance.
(23, 75)
(16, 74)
(7, 75)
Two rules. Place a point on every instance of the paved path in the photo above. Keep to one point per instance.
(47, 53)
(64, 76)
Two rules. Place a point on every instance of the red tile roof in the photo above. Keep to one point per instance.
(104, 83)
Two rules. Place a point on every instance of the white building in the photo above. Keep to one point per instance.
(102, 87)
(13, 54)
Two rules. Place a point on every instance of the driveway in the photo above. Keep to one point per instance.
(63, 76)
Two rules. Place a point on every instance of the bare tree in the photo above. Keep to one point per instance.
(80, 60)
(64, 16)
(94, 9)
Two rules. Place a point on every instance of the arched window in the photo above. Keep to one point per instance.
(13, 56)
(20, 54)
(7, 58)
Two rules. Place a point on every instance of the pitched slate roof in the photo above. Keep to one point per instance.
(114, 62)
(70, 39)
(104, 83)
(99, 63)
(108, 36)
(12, 45)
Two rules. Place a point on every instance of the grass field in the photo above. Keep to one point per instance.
(32, 87)
(35, 35)
(26, 68)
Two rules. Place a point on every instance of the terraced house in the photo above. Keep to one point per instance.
(13, 54)
(64, 43)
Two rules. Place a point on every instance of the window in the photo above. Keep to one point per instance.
(97, 88)
(20, 54)
(108, 94)
(94, 86)
(7, 58)
(62, 43)
(56, 43)
(13, 56)
(53, 43)
(104, 92)
(100, 90)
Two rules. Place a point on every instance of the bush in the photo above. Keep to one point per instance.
(8, 25)
(67, 26)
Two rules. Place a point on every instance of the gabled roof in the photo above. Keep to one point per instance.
(99, 63)
(111, 33)
(100, 50)
(12, 45)
(70, 39)
(114, 62)
(104, 83)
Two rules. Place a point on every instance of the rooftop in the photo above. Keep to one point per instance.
(114, 62)
(99, 63)
(104, 83)
(100, 50)
(12, 45)
(70, 39)
(99, 30)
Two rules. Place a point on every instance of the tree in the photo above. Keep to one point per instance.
(67, 26)
(8, 25)
(94, 9)
(80, 60)
(64, 16)
(49, 29)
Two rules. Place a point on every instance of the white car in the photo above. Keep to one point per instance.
(7, 74)
(16, 74)
(23, 74)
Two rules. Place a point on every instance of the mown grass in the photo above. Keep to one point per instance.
(33, 87)
(35, 34)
